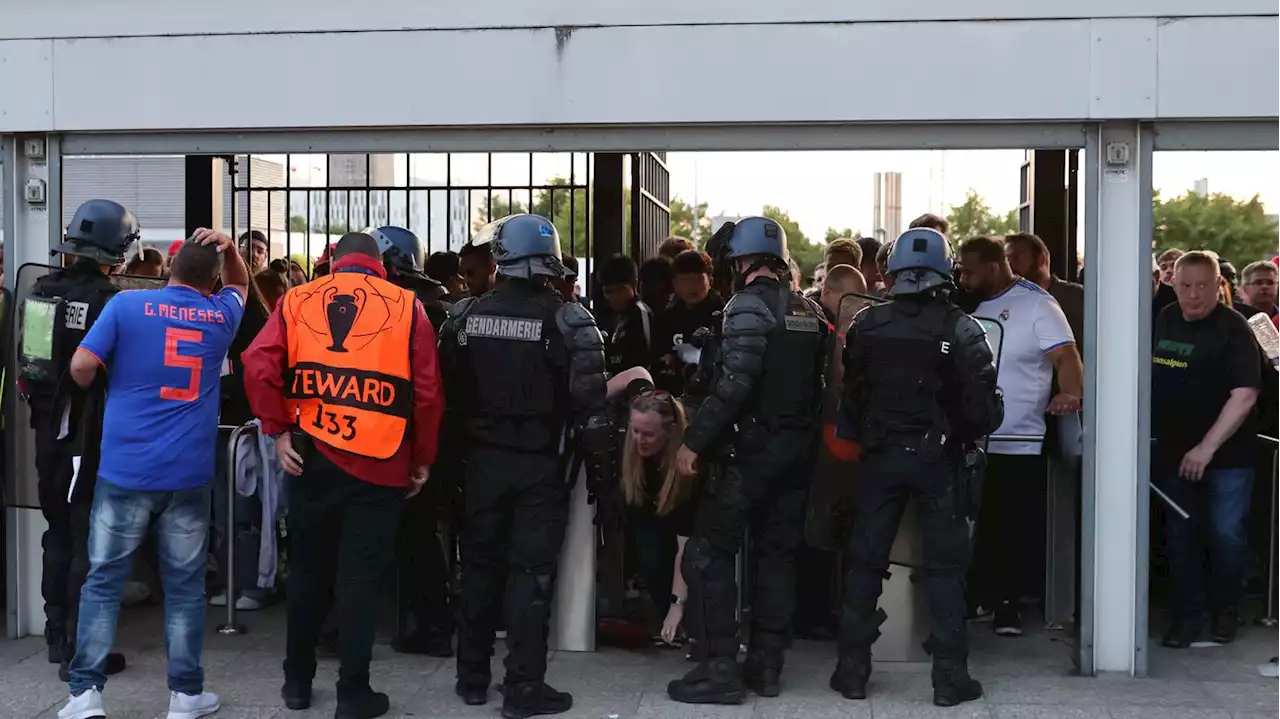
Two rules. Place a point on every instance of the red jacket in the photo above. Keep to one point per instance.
(266, 361)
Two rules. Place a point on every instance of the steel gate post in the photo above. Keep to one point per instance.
(231, 626)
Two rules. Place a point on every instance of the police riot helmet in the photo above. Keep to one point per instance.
(757, 236)
(921, 260)
(101, 230)
(400, 248)
(523, 246)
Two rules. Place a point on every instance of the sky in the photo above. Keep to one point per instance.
(834, 189)
(831, 189)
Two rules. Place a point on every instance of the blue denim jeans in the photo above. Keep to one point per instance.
(121, 520)
(1218, 505)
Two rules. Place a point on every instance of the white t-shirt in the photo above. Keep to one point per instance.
(1033, 325)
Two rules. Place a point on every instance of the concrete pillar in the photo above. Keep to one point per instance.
(30, 231)
(1117, 391)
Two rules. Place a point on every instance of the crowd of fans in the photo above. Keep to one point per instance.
(1213, 391)
(652, 313)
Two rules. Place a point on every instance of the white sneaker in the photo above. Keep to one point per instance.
(244, 604)
(88, 704)
(192, 706)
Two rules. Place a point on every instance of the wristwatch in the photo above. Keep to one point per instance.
(677, 601)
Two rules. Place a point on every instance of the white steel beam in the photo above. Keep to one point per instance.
(592, 138)
(30, 231)
(1117, 408)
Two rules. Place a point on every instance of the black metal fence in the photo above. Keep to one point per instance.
(303, 202)
(650, 203)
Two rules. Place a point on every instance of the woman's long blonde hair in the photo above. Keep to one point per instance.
(676, 488)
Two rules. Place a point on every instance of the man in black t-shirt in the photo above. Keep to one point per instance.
(694, 306)
(626, 321)
(1205, 376)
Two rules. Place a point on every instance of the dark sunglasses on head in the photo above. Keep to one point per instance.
(659, 394)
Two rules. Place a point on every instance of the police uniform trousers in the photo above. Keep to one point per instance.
(516, 509)
(763, 490)
(423, 574)
(892, 476)
(66, 540)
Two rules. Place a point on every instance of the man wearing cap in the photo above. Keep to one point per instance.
(173, 250)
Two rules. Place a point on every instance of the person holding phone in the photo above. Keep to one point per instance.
(345, 376)
(162, 353)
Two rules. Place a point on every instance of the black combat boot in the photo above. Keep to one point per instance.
(520, 701)
(55, 642)
(857, 633)
(952, 684)
(296, 694)
(762, 672)
(473, 693)
(364, 705)
(851, 674)
(717, 681)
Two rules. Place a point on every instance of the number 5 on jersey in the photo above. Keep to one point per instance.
(172, 337)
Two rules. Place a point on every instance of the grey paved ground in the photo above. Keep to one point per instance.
(1025, 679)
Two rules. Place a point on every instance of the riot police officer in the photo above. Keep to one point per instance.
(97, 240)
(423, 573)
(404, 255)
(519, 366)
(919, 389)
(758, 428)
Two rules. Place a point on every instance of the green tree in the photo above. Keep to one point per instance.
(298, 223)
(834, 234)
(807, 254)
(1240, 232)
(682, 214)
(973, 217)
(552, 203)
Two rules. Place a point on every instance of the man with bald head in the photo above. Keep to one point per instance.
(840, 281)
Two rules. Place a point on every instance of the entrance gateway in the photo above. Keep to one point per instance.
(1116, 81)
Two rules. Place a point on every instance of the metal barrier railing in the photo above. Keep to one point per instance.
(1269, 619)
(236, 432)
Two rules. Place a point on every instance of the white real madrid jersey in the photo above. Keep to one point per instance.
(1033, 325)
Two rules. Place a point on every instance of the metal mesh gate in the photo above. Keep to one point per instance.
(650, 200)
(312, 200)
(301, 203)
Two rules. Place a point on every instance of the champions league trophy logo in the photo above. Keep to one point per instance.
(341, 312)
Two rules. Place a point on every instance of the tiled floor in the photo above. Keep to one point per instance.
(1026, 678)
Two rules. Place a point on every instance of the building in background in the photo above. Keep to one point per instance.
(349, 191)
(718, 221)
(886, 205)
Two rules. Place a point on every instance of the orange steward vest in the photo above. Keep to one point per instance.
(349, 382)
